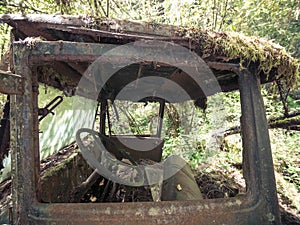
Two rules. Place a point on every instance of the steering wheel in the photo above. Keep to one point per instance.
(106, 164)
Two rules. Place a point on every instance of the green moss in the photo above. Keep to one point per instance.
(271, 57)
(60, 167)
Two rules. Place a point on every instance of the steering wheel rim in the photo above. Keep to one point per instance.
(105, 163)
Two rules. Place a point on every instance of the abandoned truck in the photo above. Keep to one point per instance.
(106, 66)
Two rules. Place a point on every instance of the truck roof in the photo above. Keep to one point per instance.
(222, 52)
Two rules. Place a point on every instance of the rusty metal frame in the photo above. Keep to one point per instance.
(258, 206)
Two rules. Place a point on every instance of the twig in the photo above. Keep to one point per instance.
(96, 8)
(82, 189)
(19, 6)
(224, 15)
(216, 14)
(112, 192)
(282, 97)
(290, 115)
(285, 122)
(102, 8)
(131, 121)
(121, 9)
(232, 130)
(105, 190)
(107, 8)
(296, 128)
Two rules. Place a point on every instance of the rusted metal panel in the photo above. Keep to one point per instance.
(61, 54)
(54, 50)
(179, 212)
(42, 18)
(11, 84)
(49, 51)
(84, 21)
(241, 210)
(23, 136)
(258, 206)
(257, 154)
(97, 34)
(127, 66)
(89, 29)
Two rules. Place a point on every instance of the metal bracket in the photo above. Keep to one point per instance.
(43, 112)
(11, 84)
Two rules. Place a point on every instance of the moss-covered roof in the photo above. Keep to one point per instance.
(267, 55)
(270, 60)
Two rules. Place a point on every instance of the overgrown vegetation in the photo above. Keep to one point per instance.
(278, 21)
(266, 54)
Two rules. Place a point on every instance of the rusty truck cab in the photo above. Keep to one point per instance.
(69, 46)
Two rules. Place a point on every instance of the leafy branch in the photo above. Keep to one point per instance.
(22, 6)
(285, 122)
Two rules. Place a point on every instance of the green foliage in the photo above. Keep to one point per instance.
(287, 152)
(293, 103)
(4, 39)
(278, 20)
(273, 105)
(133, 118)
